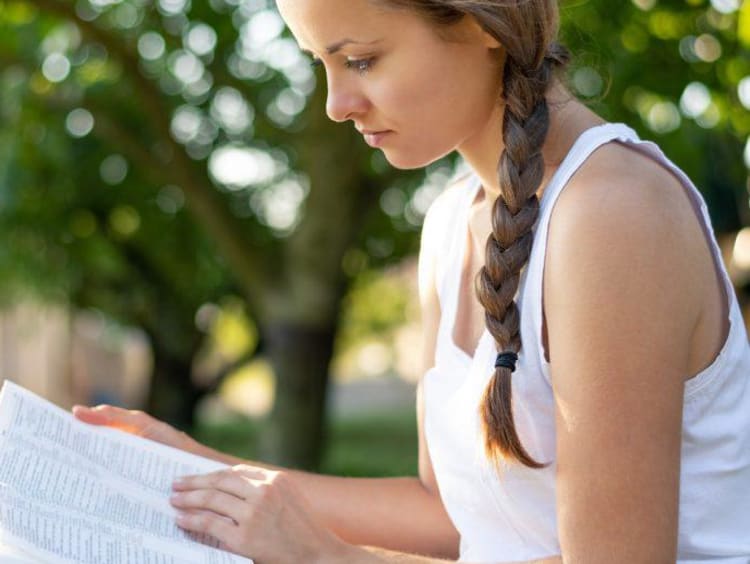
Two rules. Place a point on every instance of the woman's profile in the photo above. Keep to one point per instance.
(586, 389)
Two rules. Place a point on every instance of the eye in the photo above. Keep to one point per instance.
(315, 62)
(362, 66)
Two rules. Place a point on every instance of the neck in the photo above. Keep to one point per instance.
(568, 119)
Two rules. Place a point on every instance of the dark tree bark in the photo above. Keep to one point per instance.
(172, 396)
(295, 432)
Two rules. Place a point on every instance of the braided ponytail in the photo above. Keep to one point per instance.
(526, 30)
(514, 213)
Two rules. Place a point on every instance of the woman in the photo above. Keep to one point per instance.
(628, 409)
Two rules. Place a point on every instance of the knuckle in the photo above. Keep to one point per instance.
(211, 498)
(266, 491)
(201, 521)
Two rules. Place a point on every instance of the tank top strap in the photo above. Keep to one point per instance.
(588, 142)
(530, 296)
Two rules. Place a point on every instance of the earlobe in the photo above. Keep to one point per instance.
(490, 41)
(486, 38)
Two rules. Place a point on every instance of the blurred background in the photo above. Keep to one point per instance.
(185, 232)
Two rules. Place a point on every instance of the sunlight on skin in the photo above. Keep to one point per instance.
(131, 422)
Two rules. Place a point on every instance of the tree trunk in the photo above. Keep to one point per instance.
(172, 396)
(295, 430)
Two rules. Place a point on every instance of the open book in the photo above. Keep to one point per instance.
(75, 493)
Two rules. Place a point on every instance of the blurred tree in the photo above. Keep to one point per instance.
(116, 113)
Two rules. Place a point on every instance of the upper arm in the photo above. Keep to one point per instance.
(619, 329)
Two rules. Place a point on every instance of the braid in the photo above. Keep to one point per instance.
(514, 213)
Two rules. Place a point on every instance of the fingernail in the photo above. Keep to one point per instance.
(178, 482)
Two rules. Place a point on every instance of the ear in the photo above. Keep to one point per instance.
(482, 35)
(490, 41)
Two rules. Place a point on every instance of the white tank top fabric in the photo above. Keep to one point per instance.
(513, 517)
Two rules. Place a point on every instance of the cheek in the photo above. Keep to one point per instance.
(433, 110)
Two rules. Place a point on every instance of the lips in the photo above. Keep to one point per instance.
(374, 138)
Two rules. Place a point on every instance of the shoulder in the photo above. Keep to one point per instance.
(624, 205)
(619, 187)
(623, 238)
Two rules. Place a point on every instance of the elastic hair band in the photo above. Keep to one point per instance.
(507, 360)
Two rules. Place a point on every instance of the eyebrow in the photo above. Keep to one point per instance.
(334, 48)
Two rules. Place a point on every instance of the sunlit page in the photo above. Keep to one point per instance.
(74, 493)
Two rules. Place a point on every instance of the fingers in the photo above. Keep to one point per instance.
(234, 481)
(217, 526)
(229, 492)
(215, 501)
(220, 504)
(92, 415)
(133, 422)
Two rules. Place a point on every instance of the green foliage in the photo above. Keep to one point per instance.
(378, 444)
(382, 444)
(672, 69)
(375, 305)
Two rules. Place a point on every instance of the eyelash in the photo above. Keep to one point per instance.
(362, 66)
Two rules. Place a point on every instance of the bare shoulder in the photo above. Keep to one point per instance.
(622, 200)
(620, 187)
(625, 229)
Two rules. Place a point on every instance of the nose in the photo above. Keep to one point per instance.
(345, 100)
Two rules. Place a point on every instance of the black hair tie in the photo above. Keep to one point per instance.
(507, 360)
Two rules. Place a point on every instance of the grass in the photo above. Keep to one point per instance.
(374, 444)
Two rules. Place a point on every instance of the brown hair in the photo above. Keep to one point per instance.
(527, 31)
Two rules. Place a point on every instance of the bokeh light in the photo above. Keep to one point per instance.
(231, 111)
(151, 46)
(743, 92)
(695, 99)
(113, 169)
(79, 122)
(237, 167)
(56, 67)
(200, 39)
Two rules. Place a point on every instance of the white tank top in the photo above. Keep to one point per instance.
(513, 517)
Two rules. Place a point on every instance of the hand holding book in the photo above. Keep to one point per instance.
(136, 423)
(252, 511)
(75, 493)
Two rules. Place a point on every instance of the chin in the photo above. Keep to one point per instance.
(411, 161)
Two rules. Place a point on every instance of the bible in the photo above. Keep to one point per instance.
(71, 493)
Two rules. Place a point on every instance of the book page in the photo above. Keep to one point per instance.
(76, 493)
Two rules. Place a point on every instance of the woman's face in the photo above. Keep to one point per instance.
(412, 93)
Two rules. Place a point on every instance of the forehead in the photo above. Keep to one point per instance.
(315, 23)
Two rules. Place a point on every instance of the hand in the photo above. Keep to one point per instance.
(135, 423)
(256, 513)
